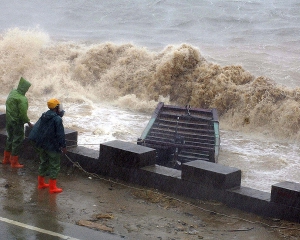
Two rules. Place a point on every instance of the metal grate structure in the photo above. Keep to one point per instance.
(182, 134)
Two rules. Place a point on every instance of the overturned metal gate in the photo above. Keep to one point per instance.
(182, 134)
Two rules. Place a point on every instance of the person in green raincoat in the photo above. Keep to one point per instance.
(16, 117)
(48, 136)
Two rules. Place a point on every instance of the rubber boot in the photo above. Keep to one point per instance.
(6, 157)
(53, 188)
(41, 183)
(14, 162)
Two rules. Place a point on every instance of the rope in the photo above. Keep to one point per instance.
(76, 164)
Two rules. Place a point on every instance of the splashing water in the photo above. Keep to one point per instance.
(109, 92)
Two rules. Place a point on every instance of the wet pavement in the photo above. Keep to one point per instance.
(50, 230)
(29, 213)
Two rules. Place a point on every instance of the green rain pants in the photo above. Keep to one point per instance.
(50, 163)
(14, 141)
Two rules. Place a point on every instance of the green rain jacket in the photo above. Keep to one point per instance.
(17, 103)
(48, 132)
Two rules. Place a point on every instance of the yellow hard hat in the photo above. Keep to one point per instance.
(53, 103)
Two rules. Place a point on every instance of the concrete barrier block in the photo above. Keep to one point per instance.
(259, 202)
(124, 154)
(159, 177)
(2, 120)
(71, 137)
(287, 193)
(88, 159)
(211, 174)
(284, 212)
(250, 200)
(169, 180)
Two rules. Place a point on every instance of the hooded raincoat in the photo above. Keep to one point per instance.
(48, 136)
(16, 117)
(48, 132)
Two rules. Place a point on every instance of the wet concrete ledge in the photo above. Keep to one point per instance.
(199, 180)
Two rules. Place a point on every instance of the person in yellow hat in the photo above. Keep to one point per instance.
(48, 135)
(16, 117)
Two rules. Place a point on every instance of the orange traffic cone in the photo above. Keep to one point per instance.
(53, 188)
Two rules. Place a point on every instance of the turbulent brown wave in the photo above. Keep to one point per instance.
(78, 72)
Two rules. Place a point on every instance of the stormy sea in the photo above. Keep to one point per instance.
(111, 62)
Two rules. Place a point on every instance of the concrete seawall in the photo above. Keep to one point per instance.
(198, 179)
